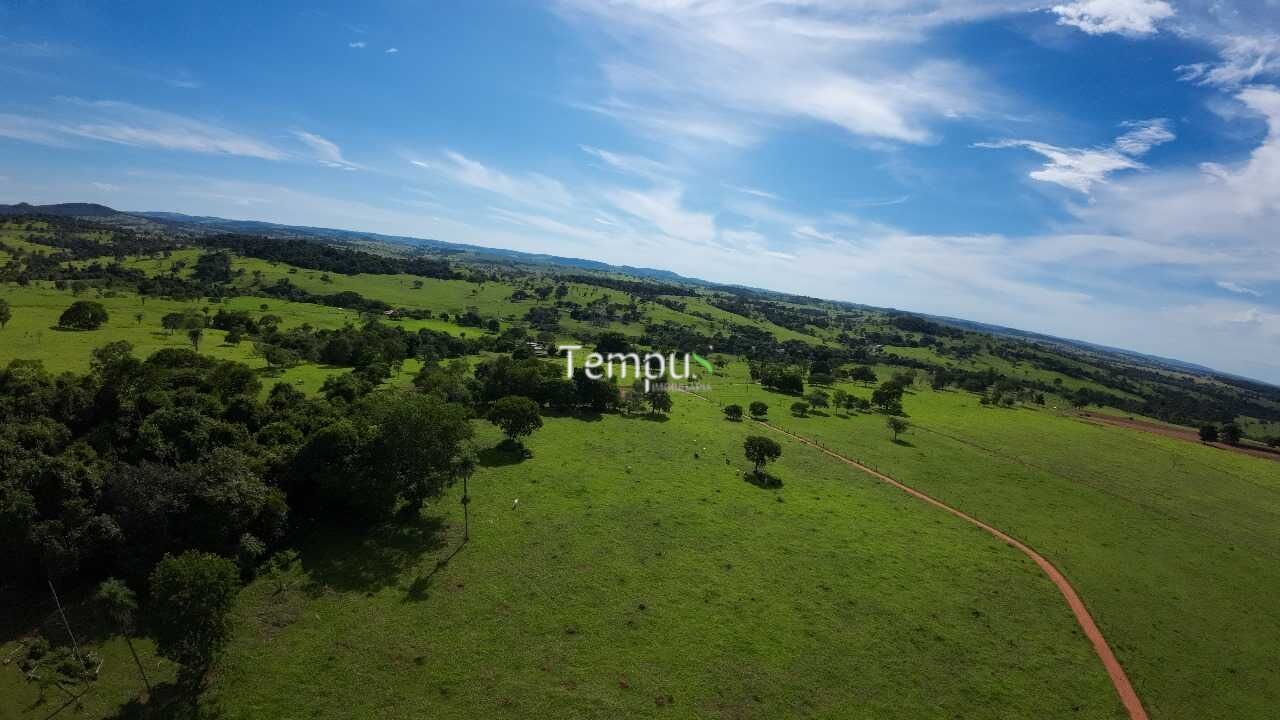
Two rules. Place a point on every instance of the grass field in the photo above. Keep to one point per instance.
(1155, 533)
(610, 590)
(640, 574)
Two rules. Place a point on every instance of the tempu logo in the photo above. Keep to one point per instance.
(650, 367)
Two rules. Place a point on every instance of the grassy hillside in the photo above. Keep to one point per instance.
(629, 568)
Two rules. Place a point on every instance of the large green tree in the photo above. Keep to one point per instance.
(192, 595)
(83, 315)
(761, 450)
(516, 416)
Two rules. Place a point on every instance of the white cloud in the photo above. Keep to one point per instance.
(662, 207)
(326, 151)
(752, 191)
(105, 187)
(680, 70)
(126, 124)
(530, 189)
(1081, 168)
(391, 50)
(631, 164)
(1125, 17)
(1238, 289)
(26, 129)
(1242, 59)
(357, 45)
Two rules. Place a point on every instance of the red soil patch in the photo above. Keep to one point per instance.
(1178, 433)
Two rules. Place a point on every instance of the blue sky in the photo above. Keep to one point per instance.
(1101, 169)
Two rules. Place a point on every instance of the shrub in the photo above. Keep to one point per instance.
(733, 412)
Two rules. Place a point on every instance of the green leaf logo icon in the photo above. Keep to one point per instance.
(704, 363)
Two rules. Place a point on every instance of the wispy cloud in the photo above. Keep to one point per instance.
(1237, 288)
(357, 44)
(679, 69)
(1242, 59)
(391, 50)
(631, 164)
(326, 151)
(1123, 17)
(1081, 168)
(530, 188)
(126, 124)
(752, 191)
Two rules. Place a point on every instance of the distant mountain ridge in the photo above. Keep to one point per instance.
(86, 210)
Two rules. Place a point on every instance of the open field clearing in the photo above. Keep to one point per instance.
(611, 591)
(1154, 532)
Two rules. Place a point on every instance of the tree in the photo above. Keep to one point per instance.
(1231, 433)
(118, 604)
(516, 416)
(896, 425)
(818, 399)
(1209, 433)
(863, 374)
(138, 318)
(760, 451)
(759, 409)
(6, 313)
(190, 611)
(839, 399)
(195, 335)
(733, 412)
(83, 315)
(800, 408)
(659, 401)
(888, 397)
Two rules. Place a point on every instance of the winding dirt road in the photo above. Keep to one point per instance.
(1090, 628)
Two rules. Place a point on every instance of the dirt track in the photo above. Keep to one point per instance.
(1119, 680)
(1186, 434)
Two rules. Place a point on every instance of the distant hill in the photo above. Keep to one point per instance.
(474, 252)
(92, 210)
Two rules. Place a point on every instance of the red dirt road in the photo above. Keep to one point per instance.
(1114, 669)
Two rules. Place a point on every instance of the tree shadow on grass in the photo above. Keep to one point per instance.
(763, 480)
(418, 589)
(502, 454)
(169, 701)
(349, 559)
(903, 443)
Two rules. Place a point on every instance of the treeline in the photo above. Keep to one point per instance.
(327, 258)
(640, 288)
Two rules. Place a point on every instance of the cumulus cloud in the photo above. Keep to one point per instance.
(391, 50)
(1080, 169)
(1124, 17)
(357, 44)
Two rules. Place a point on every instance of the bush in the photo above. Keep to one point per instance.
(759, 409)
(733, 412)
(83, 315)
